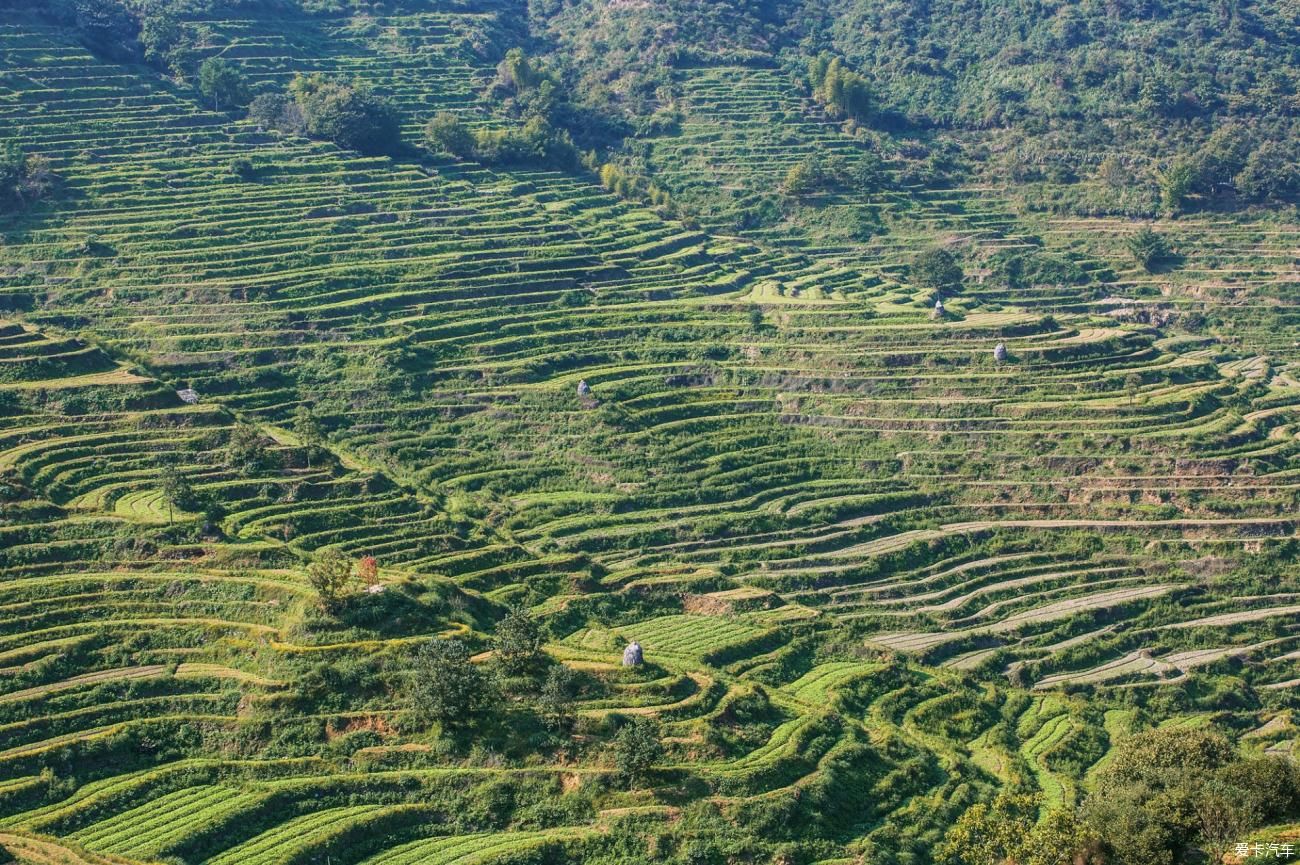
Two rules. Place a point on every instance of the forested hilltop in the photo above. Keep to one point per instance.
(1127, 108)
(805, 432)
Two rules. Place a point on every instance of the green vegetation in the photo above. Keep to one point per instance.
(349, 115)
(1166, 789)
(446, 687)
(176, 490)
(842, 91)
(1148, 248)
(536, 143)
(637, 749)
(221, 83)
(1010, 829)
(23, 178)
(329, 576)
(518, 641)
(349, 442)
(937, 270)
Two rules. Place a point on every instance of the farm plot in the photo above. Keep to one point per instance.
(150, 829)
(474, 849)
(691, 636)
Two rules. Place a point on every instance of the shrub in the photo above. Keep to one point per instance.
(1148, 248)
(537, 143)
(626, 184)
(801, 179)
(445, 133)
(1009, 830)
(243, 169)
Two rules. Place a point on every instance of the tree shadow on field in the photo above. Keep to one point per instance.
(1167, 263)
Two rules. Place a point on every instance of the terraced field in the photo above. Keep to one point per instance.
(878, 570)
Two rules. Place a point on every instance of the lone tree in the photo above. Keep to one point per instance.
(636, 749)
(245, 450)
(936, 269)
(1132, 386)
(558, 691)
(518, 641)
(1148, 248)
(446, 687)
(308, 430)
(221, 82)
(176, 490)
(329, 575)
(368, 571)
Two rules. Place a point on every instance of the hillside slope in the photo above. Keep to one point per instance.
(334, 487)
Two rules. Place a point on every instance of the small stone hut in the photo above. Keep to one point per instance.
(632, 655)
(1000, 352)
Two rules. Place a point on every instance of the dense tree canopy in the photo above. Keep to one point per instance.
(937, 269)
(222, 84)
(518, 641)
(349, 114)
(1165, 789)
(446, 687)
